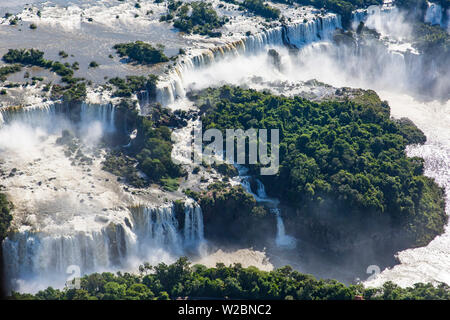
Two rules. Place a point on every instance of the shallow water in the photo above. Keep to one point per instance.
(64, 26)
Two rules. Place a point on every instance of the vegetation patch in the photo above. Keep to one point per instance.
(170, 184)
(5, 71)
(152, 148)
(431, 39)
(344, 158)
(149, 153)
(141, 52)
(132, 84)
(121, 165)
(261, 8)
(224, 205)
(74, 91)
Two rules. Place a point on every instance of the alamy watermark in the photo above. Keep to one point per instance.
(247, 147)
(74, 280)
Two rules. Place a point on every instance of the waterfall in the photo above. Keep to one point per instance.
(33, 115)
(299, 34)
(282, 240)
(246, 184)
(46, 115)
(435, 15)
(143, 234)
(371, 63)
(261, 189)
(358, 16)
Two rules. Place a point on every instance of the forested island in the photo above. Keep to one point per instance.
(341, 159)
(345, 182)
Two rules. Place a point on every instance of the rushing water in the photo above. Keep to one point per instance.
(36, 259)
(72, 214)
(65, 25)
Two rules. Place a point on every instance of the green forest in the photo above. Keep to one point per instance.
(346, 158)
(181, 279)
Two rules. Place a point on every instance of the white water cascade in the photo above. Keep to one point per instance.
(296, 34)
(45, 115)
(435, 15)
(34, 260)
(42, 114)
(104, 113)
(282, 240)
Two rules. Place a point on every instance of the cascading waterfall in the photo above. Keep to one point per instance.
(378, 65)
(145, 232)
(436, 15)
(261, 190)
(358, 16)
(35, 258)
(45, 114)
(44, 258)
(298, 34)
(282, 240)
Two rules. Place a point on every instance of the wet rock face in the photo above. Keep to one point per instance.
(274, 58)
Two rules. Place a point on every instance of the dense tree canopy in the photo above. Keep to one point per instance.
(348, 153)
(432, 40)
(125, 88)
(154, 155)
(181, 279)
